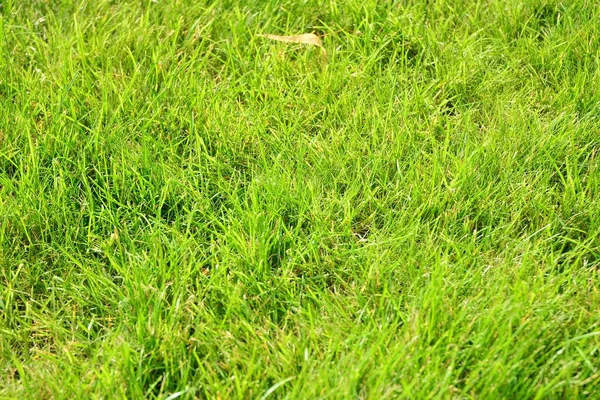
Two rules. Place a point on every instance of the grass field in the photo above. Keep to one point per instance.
(190, 210)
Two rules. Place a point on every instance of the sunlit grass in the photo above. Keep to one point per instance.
(188, 209)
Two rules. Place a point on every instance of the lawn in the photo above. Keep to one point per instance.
(189, 209)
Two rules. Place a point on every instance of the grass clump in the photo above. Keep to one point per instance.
(189, 210)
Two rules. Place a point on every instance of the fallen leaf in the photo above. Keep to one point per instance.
(305, 38)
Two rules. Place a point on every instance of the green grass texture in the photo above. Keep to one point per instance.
(189, 210)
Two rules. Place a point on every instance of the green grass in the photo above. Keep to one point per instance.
(188, 209)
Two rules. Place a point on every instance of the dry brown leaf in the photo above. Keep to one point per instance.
(305, 38)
